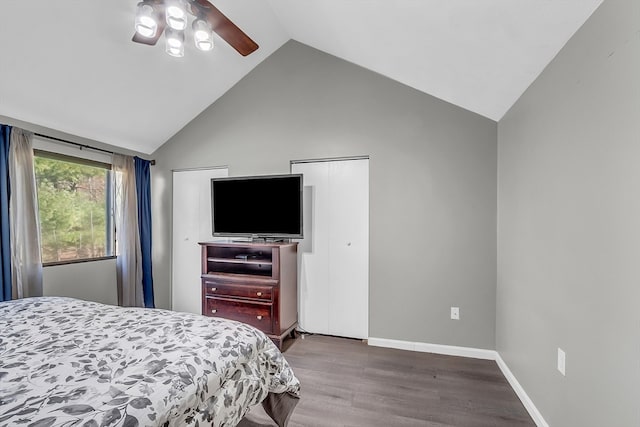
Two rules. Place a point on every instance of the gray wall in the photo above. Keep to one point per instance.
(5, 120)
(91, 281)
(432, 183)
(569, 227)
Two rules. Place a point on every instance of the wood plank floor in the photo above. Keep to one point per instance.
(347, 383)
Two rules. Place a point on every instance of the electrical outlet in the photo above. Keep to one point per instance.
(562, 359)
(455, 313)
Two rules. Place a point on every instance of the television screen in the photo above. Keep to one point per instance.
(257, 206)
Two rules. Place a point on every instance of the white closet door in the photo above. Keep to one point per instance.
(349, 248)
(334, 255)
(191, 224)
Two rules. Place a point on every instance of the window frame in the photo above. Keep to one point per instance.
(111, 235)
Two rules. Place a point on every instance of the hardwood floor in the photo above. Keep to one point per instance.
(347, 383)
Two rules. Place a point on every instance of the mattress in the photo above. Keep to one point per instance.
(67, 362)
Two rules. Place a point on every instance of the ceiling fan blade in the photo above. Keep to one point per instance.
(227, 30)
(151, 41)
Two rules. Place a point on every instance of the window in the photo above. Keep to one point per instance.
(75, 204)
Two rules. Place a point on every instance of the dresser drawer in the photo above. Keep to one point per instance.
(257, 292)
(257, 315)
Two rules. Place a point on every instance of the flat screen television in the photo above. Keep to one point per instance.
(268, 206)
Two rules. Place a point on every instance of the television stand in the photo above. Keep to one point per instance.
(252, 282)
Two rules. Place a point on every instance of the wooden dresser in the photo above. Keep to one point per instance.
(254, 283)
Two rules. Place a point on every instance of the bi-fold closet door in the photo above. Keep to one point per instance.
(334, 254)
(191, 224)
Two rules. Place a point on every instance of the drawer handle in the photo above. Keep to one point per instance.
(214, 311)
(259, 317)
(213, 289)
(259, 294)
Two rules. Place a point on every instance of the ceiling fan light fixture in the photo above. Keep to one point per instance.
(176, 16)
(174, 42)
(204, 45)
(202, 35)
(155, 18)
(146, 24)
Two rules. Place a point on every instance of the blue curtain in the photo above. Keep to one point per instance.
(5, 240)
(143, 192)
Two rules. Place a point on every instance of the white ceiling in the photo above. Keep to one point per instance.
(70, 65)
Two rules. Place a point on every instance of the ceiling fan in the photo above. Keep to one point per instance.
(170, 17)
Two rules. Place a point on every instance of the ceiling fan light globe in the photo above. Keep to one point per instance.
(176, 11)
(202, 35)
(174, 42)
(204, 45)
(177, 24)
(145, 23)
(201, 27)
(176, 52)
(146, 27)
(176, 17)
(175, 48)
(146, 31)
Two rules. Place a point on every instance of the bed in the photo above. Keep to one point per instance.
(67, 362)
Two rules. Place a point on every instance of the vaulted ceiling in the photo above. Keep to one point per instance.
(70, 65)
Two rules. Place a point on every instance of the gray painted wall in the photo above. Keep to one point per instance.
(432, 183)
(5, 120)
(569, 227)
(91, 281)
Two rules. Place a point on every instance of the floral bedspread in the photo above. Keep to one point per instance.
(66, 362)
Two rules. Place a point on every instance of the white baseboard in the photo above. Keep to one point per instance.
(522, 395)
(475, 353)
(450, 350)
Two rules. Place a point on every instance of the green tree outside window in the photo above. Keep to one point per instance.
(72, 199)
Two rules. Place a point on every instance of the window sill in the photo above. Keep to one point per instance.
(77, 261)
